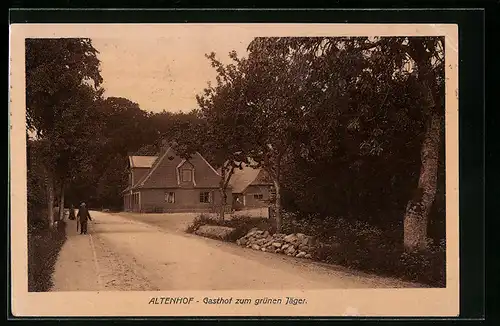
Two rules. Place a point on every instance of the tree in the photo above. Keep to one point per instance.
(35, 181)
(111, 183)
(147, 150)
(126, 126)
(348, 89)
(187, 135)
(274, 88)
(356, 127)
(79, 136)
(62, 82)
(227, 134)
(425, 52)
(50, 65)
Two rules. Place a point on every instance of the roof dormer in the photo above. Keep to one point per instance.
(186, 173)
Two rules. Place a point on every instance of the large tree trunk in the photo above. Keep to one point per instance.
(275, 175)
(223, 196)
(61, 201)
(50, 199)
(277, 206)
(224, 183)
(419, 207)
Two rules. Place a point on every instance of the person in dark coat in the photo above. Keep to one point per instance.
(72, 215)
(83, 216)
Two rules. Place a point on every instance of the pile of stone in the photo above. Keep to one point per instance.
(295, 244)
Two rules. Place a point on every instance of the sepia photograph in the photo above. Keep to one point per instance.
(244, 167)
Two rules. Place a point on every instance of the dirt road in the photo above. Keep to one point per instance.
(123, 253)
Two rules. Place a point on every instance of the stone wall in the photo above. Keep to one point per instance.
(295, 244)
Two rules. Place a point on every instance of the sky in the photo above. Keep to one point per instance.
(163, 73)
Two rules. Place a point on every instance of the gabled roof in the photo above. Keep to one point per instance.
(171, 177)
(138, 161)
(141, 161)
(247, 176)
(153, 167)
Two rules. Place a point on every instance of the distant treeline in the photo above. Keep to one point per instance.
(125, 129)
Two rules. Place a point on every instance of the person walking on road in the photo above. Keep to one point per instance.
(72, 212)
(83, 216)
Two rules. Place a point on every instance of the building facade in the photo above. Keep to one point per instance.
(168, 183)
(251, 188)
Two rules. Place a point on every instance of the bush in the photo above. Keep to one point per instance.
(427, 266)
(44, 245)
(241, 224)
(360, 245)
(353, 244)
(200, 220)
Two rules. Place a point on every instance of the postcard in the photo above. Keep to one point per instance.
(234, 170)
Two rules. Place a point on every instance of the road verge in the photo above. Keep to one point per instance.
(44, 245)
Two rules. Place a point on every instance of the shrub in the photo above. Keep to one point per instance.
(353, 244)
(200, 220)
(360, 245)
(241, 224)
(44, 245)
(427, 266)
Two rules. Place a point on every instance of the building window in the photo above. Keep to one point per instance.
(187, 175)
(170, 197)
(258, 196)
(204, 197)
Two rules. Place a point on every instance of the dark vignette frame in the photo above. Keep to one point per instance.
(471, 115)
